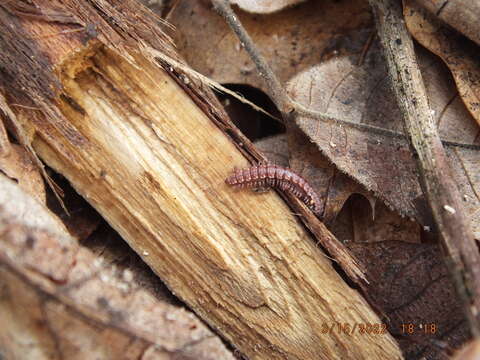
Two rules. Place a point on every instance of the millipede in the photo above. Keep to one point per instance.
(266, 176)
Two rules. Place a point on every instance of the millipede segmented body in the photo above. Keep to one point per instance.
(264, 176)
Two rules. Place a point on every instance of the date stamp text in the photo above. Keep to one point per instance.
(354, 328)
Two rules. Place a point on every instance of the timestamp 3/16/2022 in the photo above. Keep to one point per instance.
(354, 328)
(376, 328)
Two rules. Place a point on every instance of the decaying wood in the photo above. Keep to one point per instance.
(153, 163)
(59, 301)
(462, 15)
(438, 184)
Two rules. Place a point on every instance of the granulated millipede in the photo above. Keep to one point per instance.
(264, 176)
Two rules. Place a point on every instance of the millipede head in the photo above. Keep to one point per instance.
(232, 179)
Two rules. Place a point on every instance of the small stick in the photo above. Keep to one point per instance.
(278, 93)
(26, 107)
(458, 244)
(366, 47)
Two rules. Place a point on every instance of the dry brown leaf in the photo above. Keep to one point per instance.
(356, 222)
(411, 286)
(381, 163)
(18, 166)
(61, 301)
(459, 54)
(264, 6)
(291, 40)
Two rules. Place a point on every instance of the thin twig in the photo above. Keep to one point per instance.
(366, 47)
(288, 107)
(441, 190)
(278, 93)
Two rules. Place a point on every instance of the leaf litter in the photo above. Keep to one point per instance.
(383, 164)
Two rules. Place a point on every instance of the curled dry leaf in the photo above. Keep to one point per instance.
(60, 301)
(18, 166)
(462, 15)
(264, 6)
(459, 54)
(408, 281)
(381, 163)
(290, 40)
